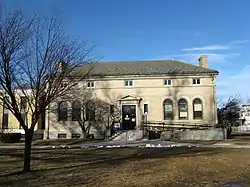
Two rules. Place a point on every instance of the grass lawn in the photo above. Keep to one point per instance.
(128, 167)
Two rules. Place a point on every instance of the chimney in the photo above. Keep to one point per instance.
(203, 61)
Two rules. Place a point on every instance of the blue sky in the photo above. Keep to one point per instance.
(161, 29)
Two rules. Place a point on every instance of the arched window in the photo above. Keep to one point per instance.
(168, 109)
(90, 111)
(183, 109)
(76, 110)
(62, 111)
(197, 109)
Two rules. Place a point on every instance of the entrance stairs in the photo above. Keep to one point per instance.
(128, 135)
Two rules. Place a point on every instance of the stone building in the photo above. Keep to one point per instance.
(166, 92)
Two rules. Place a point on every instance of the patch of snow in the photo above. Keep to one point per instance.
(223, 144)
(159, 145)
(113, 146)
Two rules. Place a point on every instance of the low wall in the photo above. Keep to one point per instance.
(67, 134)
(208, 134)
(241, 128)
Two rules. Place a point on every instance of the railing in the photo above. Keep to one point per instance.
(160, 126)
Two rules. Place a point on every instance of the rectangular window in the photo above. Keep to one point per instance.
(90, 111)
(76, 111)
(5, 119)
(112, 109)
(168, 110)
(196, 81)
(197, 111)
(23, 107)
(62, 111)
(128, 83)
(197, 114)
(167, 82)
(23, 103)
(23, 116)
(75, 135)
(76, 115)
(145, 109)
(61, 136)
(90, 84)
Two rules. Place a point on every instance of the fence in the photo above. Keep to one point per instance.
(241, 128)
(161, 126)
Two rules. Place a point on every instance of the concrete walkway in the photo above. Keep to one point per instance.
(139, 143)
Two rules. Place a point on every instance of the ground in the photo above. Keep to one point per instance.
(127, 167)
(53, 142)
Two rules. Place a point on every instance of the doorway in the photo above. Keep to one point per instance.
(128, 117)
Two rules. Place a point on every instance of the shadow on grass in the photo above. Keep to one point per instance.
(116, 156)
(64, 156)
(88, 162)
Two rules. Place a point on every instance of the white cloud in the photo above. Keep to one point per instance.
(239, 41)
(237, 84)
(208, 48)
(212, 57)
(217, 47)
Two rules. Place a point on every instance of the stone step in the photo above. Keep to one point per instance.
(129, 135)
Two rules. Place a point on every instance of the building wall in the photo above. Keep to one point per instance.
(152, 92)
(245, 114)
(13, 124)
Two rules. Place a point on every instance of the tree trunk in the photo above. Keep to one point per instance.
(84, 135)
(27, 150)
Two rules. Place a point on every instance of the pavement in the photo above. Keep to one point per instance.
(140, 143)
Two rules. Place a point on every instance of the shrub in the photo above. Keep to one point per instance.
(90, 137)
(10, 137)
(154, 135)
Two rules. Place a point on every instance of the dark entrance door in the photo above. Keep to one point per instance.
(128, 117)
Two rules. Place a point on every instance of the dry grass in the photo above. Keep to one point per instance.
(127, 167)
(63, 141)
(54, 142)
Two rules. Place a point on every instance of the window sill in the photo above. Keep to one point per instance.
(182, 118)
(128, 86)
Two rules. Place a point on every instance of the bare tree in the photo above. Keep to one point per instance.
(91, 112)
(39, 62)
(229, 113)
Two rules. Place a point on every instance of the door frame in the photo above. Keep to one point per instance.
(136, 113)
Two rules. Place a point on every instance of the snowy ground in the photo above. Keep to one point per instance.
(141, 144)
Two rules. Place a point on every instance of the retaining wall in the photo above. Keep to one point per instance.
(208, 134)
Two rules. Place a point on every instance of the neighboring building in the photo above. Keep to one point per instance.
(245, 113)
(9, 123)
(160, 91)
(245, 116)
